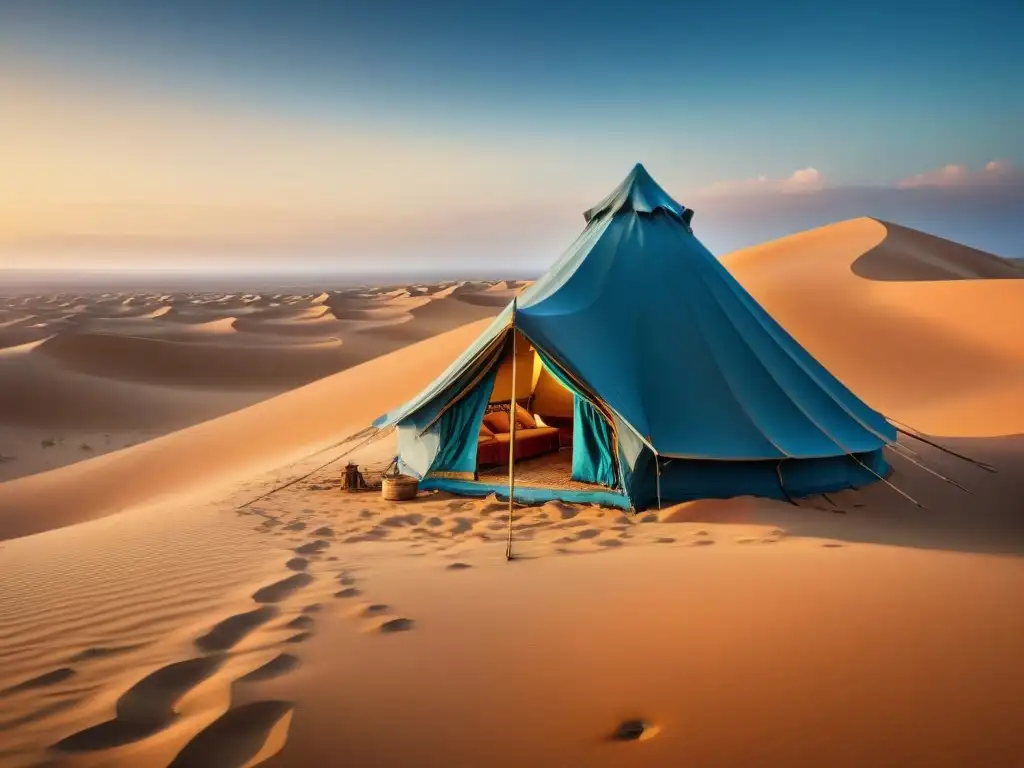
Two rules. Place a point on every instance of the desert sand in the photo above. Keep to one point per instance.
(159, 608)
(86, 375)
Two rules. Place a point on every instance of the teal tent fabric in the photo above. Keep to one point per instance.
(419, 431)
(592, 458)
(529, 495)
(644, 319)
(458, 427)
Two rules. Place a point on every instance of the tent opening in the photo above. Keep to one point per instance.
(555, 442)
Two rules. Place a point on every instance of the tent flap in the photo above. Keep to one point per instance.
(457, 431)
(592, 458)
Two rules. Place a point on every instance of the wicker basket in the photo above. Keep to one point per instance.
(399, 487)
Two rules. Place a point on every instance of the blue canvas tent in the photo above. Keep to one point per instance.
(683, 386)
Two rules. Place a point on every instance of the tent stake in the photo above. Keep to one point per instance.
(512, 438)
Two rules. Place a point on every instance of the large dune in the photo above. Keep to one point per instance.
(943, 355)
(204, 627)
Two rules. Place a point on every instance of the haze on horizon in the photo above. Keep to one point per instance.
(392, 135)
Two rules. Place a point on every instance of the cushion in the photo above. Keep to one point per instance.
(497, 422)
(485, 432)
(524, 419)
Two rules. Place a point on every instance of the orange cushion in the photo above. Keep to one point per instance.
(497, 422)
(524, 419)
(485, 432)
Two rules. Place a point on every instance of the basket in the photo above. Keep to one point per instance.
(399, 487)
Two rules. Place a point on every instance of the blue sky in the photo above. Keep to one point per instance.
(471, 132)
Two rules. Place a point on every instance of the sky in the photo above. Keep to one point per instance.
(457, 134)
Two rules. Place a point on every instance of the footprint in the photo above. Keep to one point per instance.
(375, 609)
(314, 608)
(278, 591)
(589, 533)
(300, 622)
(462, 524)
(610, 543)
(348, 592)
(277, 666)
(50, 678)
(665, 540)
(297, 526)
(634, 730)
(297, 564)
(325, 531)
(703, 542)
(299, 638)
(458, 566)
(227, 633)
(397, 521)
(238, 737)
(313, 547)
(101, 652)
(434, 521)
(346, 579)
(145, 708)
(832, 545)
(396, 625)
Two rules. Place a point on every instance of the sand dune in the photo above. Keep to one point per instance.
(264, 435)
(202, 627)
(944, 355)
(117, 369)
(909, 255)
(156, 360)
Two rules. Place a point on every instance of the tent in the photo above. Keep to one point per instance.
(675, 382)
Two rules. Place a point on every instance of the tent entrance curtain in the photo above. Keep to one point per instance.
(593, 459)
(457, 431)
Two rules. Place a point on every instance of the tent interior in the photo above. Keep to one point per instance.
(544, 410)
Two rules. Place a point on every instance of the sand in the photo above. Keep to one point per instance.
(151, 617)
(87, 375)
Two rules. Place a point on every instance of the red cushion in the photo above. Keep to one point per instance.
(497, 422)
(524, 418)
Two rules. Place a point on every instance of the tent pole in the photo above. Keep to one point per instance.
(512, 437)
(657, 470)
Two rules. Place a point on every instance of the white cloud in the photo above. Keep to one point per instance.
(956, 175)
(801, 180)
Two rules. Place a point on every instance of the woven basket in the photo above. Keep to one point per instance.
(399, 488)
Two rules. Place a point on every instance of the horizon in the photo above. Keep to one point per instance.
(247, 136)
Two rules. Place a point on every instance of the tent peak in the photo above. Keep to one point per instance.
(639, 192)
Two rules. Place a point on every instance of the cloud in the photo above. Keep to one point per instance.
(957, 175)
(802, 180)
